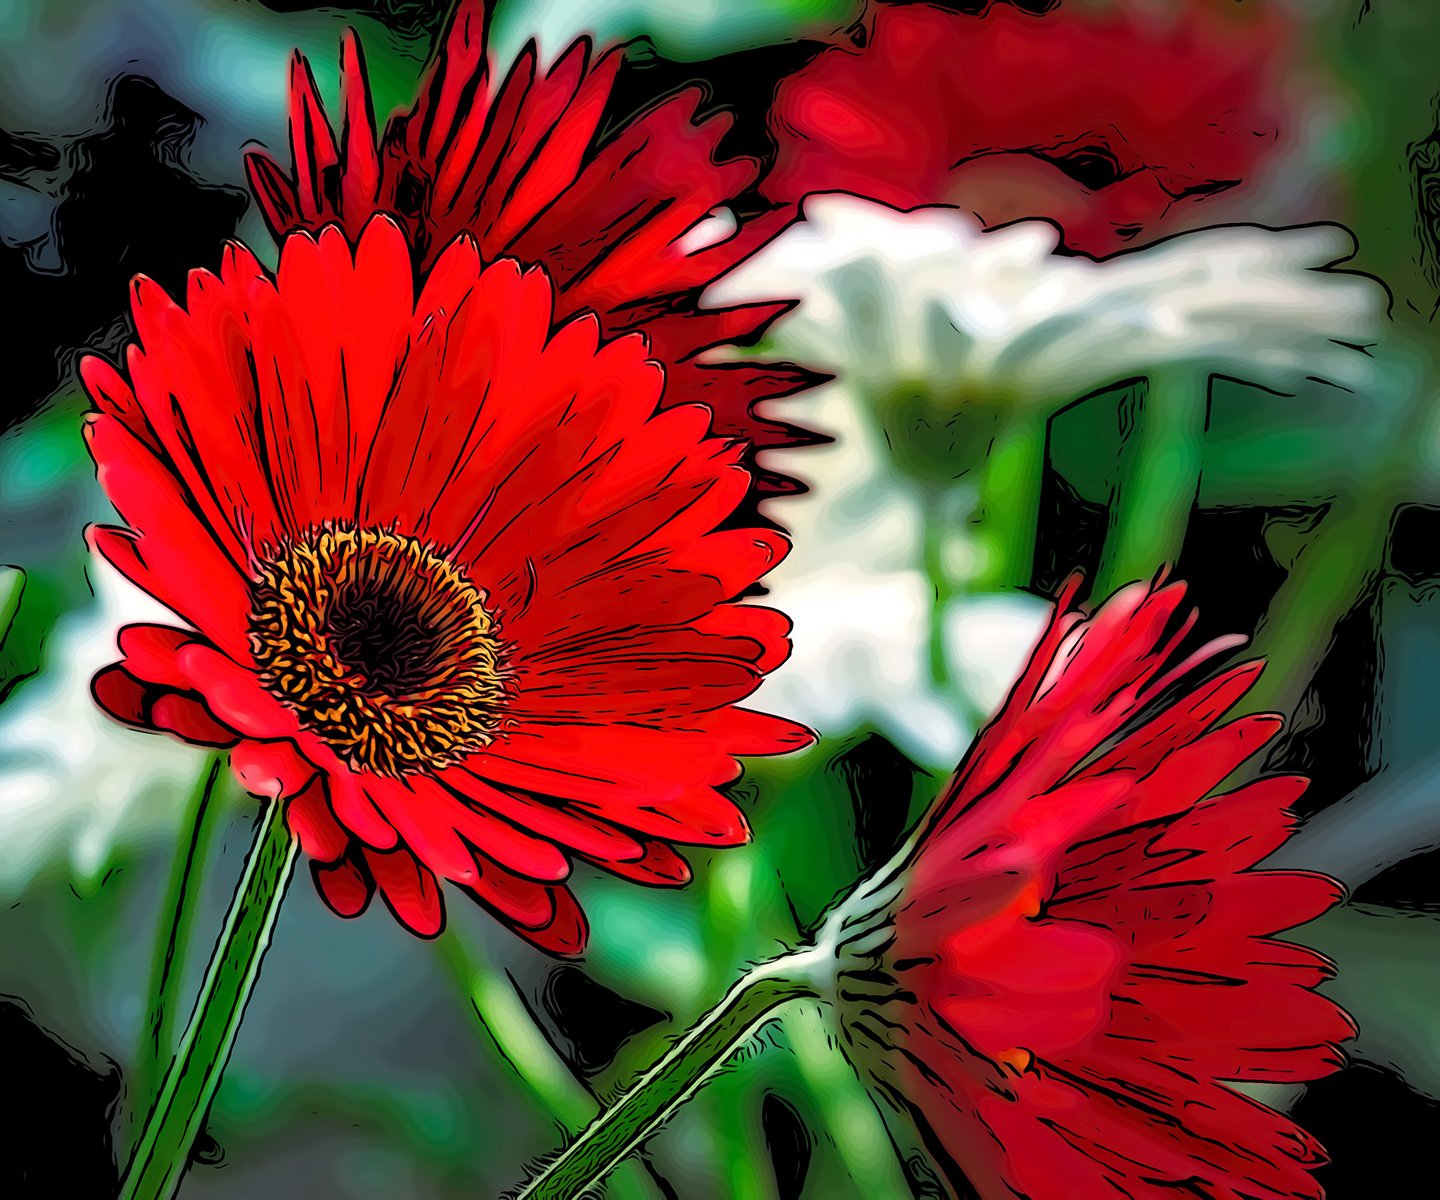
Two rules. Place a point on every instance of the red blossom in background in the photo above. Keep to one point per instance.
(518, 167)
(454, 587)
(1085, 949)
(1106, 123)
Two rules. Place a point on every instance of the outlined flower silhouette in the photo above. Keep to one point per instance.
(456, 591)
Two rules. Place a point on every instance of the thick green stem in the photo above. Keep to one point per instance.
(172, 940)
(1010, 501)
(178, 1114)
(511, 1032)
(645, 1107)
(1157, 476)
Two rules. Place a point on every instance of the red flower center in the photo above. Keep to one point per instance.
(382, 647)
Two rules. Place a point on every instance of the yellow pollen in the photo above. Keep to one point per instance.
(1027, 903)
(381, 647)
(1017, 1060)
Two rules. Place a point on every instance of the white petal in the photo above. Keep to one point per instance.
(75, 782)
(888, 296)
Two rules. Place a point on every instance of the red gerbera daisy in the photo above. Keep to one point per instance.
(454, 586)
(1079, 954)
(1102, 122)
(517, 167)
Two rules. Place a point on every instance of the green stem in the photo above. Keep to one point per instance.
(178, 1115)
(173, 939)
(1157, 476)
(1331, 574)
(12, 588)
(671, 1081)
(511, 1032)
(1010, 501)
(935, 573)
(861, 1139)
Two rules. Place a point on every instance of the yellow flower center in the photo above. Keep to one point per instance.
(382, 647)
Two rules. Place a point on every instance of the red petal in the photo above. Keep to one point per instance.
(271, 770)
(195, 379)
(423, 815)
(311, 142)
(524, 180)
(113, 396)
(150, 653)
(551, 820)
(655, 782)
(660, 866)
(234, 693)
(274, 193)
(120, 695)
(360, 175)
(187, 719)
(172, 543)
(353, 808)
(346, 887)
(458, 71)
(314, 825)
(408, 889)
(558, 162)
(544, 915)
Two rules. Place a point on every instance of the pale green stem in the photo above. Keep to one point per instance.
(1157, 477)
(935, 574)
(655, 1096)
(172, 939)
(1331, 574)
(178, 1115)
(864, 1144)
(12, 588)
(1010, 501)
(512, 1033)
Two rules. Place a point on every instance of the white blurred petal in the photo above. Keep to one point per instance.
(719, 225)
(862, 607)
(73, 782)
(891, 296)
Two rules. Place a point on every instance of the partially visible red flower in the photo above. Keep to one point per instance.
(453, 586)
(1102, 122)
(1081, 954)
(519, 168)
